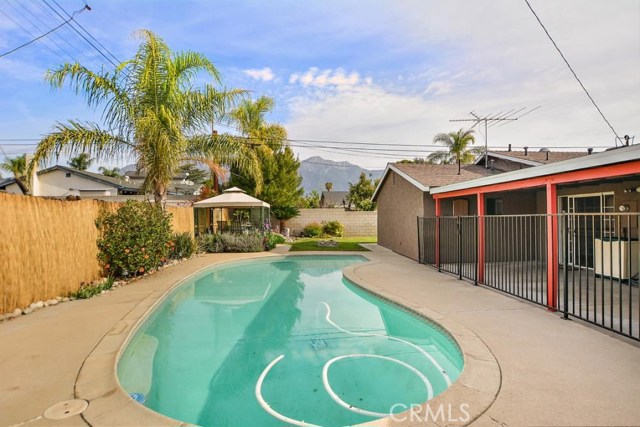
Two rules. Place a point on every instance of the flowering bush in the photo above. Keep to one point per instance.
(134, 239)
(272, 239)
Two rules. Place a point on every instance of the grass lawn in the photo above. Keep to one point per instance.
(312, 245)
(356, 239)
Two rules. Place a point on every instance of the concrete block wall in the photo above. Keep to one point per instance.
(356, 223)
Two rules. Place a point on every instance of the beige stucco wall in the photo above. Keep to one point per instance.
(399, 205)
(356, 223)
(55, 184)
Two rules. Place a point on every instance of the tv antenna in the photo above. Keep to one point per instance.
(501, 118)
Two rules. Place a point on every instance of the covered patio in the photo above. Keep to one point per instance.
(233, 211)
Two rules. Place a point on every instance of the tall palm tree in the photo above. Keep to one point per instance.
(458, 151)
(81, 162)
(249, 117)
(17, 166)
(256, 133)
(152, 111)
(113, 172)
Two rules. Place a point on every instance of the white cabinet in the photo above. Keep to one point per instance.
(612, 258)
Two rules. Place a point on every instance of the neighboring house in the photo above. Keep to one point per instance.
(62, 181)
(334, 199)
(506, 161)
(403, 195)
(9, 185)
(180, 184)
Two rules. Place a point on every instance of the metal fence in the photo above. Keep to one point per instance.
(591, 274)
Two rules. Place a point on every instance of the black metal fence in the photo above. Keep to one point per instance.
(591, 274)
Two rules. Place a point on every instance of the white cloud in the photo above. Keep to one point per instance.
(265, 74)
(439, 87)
(327, 78)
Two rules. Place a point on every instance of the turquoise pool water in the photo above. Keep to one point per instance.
(284, 341)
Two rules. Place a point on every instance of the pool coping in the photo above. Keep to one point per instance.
(97, 382)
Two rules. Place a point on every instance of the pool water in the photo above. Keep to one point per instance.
(284, 341)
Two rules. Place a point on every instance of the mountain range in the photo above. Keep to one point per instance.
(316, 171)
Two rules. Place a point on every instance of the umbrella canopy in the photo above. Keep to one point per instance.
(232, 198)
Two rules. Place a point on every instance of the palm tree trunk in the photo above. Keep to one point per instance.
(459, 165)
(22, 186)
(160, 197)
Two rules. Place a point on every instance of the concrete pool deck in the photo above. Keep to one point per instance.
(551, 372)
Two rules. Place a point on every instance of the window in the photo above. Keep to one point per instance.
(68, 174)
(494, 207)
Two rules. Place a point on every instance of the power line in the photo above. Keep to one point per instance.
(573, 72)
(79, 33)
(47, 33)
(89, 34)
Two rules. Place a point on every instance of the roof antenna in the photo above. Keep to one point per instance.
(494, 119)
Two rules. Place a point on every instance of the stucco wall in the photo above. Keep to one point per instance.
(356, 223)
(399, 205)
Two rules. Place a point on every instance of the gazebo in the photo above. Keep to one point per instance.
(233, 211)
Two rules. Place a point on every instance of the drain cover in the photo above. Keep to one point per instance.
(66, 409)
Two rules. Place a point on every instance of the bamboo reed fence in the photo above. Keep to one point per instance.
(48, 247)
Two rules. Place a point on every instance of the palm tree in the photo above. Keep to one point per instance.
(81, 162)
(249, 117)
(262, 137)
(328, 186)
(17, 166)
(458, 151)
(113, 172)
(152, 111)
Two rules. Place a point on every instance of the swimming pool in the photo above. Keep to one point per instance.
(280, 341)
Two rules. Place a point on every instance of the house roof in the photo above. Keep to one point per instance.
(232, 198)
(115, 182)
(605, 158)
(334, 198)
(534, 158)
(427, 176)
(4, 182)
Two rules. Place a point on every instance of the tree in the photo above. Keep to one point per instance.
(82, 162)
(196, 175)
(361, 192)
(17, 166)
(284, 214)
(328, 186)
(113, 172)
(457, 152)
(311, 200)
(152, 111)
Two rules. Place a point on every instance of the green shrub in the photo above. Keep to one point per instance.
(211, 243)
(229, 242)
(312, 230)
(134, 239)
(89, 290)
(252, 242)
(183, 246)
(272, 239)
(333, 228)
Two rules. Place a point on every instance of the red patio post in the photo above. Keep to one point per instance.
(481, 245)
(437, 233)
(552, 245)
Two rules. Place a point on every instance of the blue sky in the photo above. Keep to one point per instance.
(371, 72)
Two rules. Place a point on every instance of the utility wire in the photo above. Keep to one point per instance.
(572, 71)
(89, 34)
(47, 33)
(114, 64)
